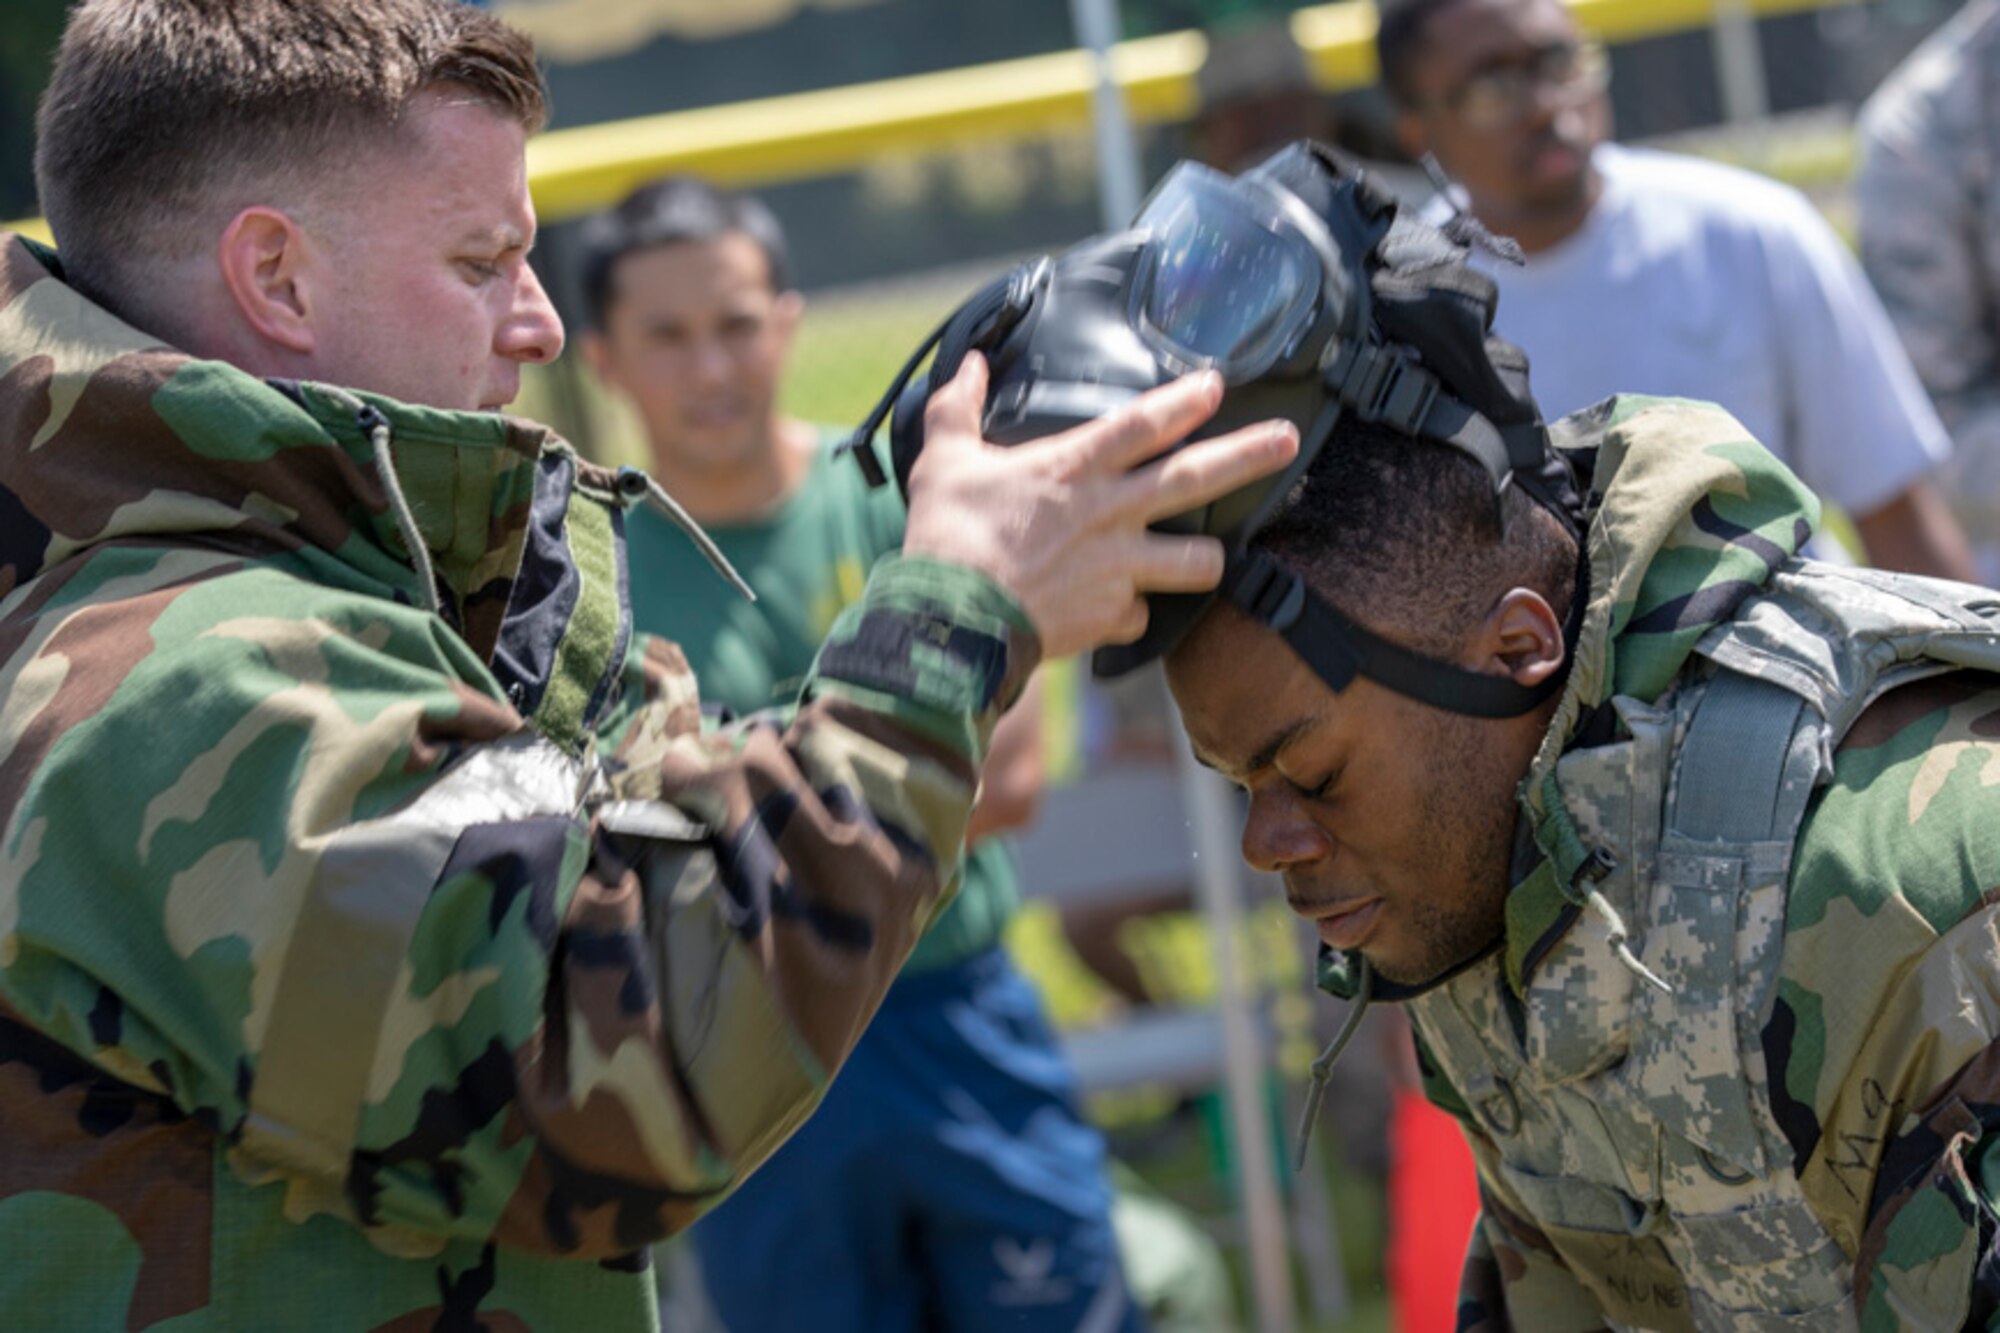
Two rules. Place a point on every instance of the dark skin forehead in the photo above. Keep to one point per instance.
(1264, 710)
(1469, 37)
(1254, 755)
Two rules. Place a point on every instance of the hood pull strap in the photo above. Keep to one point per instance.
(634, 483)
(1462, 226)
(1594, 868)
(1322, 1068)
(372, 423)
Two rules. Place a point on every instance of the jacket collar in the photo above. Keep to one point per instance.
(107, 434)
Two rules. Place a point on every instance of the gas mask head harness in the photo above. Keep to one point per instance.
(1301, 283)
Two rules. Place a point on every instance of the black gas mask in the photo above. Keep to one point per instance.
(1303, 287)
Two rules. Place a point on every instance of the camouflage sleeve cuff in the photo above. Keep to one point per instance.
(939, 646)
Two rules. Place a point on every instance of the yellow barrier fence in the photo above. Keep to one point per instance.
(775, 139)
(783, 138)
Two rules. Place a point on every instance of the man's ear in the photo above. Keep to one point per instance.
(596, 351)
(263, 254)
(1521, 638)
(1412, 135)
(786, 311)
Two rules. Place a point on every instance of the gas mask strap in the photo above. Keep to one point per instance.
(979, 324)
(861, 442)
(1382, 386)
(1337, 649)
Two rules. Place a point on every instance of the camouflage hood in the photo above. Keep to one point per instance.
(106, 435)
(1688, 516)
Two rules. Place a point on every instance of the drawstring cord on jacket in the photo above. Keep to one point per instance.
(1614, 925)
(1322, 1068)
(1594, 868)
(375, 426)
(631, 483)
(634, 483)
(1557, 833)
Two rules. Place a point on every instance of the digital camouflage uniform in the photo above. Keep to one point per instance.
(364, 967)
(1927, 202)
(1771, 1112)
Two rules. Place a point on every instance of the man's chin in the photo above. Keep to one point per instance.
(1563, 188)
(716, 450)
(1393, 967)
(1402, 969)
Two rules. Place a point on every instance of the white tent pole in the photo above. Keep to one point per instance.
(1739, 70)
(1096, 23)
(1218, 883)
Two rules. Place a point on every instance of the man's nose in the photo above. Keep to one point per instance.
(1277, 835)
(1550, 99)
(533, 332)
(711, 360)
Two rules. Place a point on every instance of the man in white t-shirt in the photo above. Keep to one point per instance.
(1651, 273)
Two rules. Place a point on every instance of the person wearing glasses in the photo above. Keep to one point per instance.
(1647, 272)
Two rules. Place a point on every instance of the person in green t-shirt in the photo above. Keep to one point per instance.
(947, 1179)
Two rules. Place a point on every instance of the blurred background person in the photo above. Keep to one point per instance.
(1929, 224)
(948, 1181)
(1256, 95)
(1654, 273)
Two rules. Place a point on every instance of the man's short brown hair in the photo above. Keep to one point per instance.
(162, 113)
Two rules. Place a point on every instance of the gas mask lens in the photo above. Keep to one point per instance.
(1223, 283)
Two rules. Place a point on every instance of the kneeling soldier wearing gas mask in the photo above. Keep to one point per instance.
(1677, 848)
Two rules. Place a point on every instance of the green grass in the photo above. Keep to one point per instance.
(851, 343)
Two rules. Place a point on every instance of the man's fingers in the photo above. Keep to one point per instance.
(955, 408)
(1210, 469)
(1131, 627)
(1152, 422)
(1161, 563)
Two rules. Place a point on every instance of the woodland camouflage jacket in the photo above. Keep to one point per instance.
(1795, 1129)
(369, 967)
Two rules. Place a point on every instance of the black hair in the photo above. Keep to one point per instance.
(667, 212)
(1403, 535)
(1399, 37)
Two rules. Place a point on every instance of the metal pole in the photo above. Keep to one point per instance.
(1319, 1237)
(1219, 887)
(1739, 72)
(1096, 23)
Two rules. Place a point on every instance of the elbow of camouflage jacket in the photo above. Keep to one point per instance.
(282, 857)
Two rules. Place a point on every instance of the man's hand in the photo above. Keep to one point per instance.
(1061, 522)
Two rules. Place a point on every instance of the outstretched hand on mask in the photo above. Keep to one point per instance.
(1061, 523)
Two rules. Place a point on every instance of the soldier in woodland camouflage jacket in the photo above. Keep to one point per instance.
(384, 942)
(301, 881)
(1928, 213)
(1704, 954)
